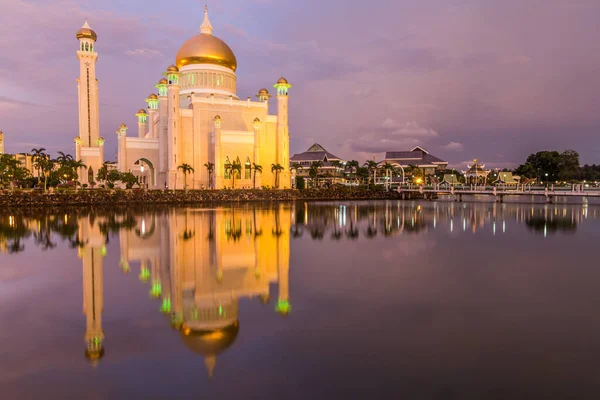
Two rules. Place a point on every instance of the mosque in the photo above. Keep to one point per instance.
(196, 119)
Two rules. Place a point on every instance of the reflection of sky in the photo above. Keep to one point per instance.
(439, 314)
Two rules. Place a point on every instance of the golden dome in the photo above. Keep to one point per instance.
(172, 68)
(212, 342)
(142, 111)
(153, 96)
(94, 355)
(263, 91)
(206, 49)
(282, 80)
(85, 32)
(163, 81)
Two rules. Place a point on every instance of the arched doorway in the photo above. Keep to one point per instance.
(146, 173)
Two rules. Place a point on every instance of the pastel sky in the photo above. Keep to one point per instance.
(487, 79)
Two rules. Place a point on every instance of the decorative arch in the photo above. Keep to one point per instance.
(147, 176)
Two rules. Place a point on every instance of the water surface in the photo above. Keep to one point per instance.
(415, 300)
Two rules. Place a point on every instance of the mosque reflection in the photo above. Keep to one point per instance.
(198, 264)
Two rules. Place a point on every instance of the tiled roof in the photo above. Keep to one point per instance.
(316, 152)
(416, 155)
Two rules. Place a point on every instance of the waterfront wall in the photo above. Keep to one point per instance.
(33, 198)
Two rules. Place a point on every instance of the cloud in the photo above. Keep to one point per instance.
(144, 53)
(409, 129)
(454, 146)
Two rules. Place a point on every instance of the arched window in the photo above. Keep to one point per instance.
(92, 47)
(82, 46)
(226, 166)
(248, 169)
(87, 46)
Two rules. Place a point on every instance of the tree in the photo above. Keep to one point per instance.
(236, 169)
(186, 169)
(129, 179)
(352, 166)
(313, 172)
(372, 167)
(112, 177)
(37, 153)
(210, 167)
(388, 169)
(569, 165)
(276, 169)
(362, 174)
(45, 165)
(256, 168)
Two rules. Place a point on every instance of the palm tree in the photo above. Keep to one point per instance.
(276, 168)
(46, 165)
(256, 168)
(185, 168)
(210, 167)
(294, 168)
(372, 167)
(314, 172)
(236, 168)
(388, 169)
(75, 166)
(352, 166)
(37, 153)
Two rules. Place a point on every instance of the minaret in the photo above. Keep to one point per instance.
(263, 95)
(91, 252)
(122, 146)
(142, 123)
(173, 123)
(89, 125)
(1, 143)
(283, 138)
(219, 161)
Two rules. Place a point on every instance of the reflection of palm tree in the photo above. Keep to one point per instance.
(371, 232)
(337, 233)
(317, 233)
(296, 233)
(352, 231)
(277, 229)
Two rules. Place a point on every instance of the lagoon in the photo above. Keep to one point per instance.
(380, 299)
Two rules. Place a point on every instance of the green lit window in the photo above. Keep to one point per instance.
(247, 171)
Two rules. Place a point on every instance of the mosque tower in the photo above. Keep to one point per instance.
(283, 137)
(91, 252)
(89, 146)
(1, 143)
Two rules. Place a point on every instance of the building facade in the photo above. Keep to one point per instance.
(198, 119)
(417, 157)
(332, 167)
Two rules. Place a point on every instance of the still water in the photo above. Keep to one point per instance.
(411, 300)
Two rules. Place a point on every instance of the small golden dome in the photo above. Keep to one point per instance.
(163, 81)
(172, 68)
(153, 96)
(94, 355)
(85, 32)
(206, 49)
(263, 91)
(212, 342)
(142, 111)
(282, 80)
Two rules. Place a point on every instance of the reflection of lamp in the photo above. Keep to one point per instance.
(142, 169)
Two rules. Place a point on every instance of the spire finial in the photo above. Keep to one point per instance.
(206, 27)
(86, 25)
(210, 362)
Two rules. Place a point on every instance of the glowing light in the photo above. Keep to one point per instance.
(166, 305)
(144, 274)
(11, 221)
(156, 290)
(103, 251)
(283, 307)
